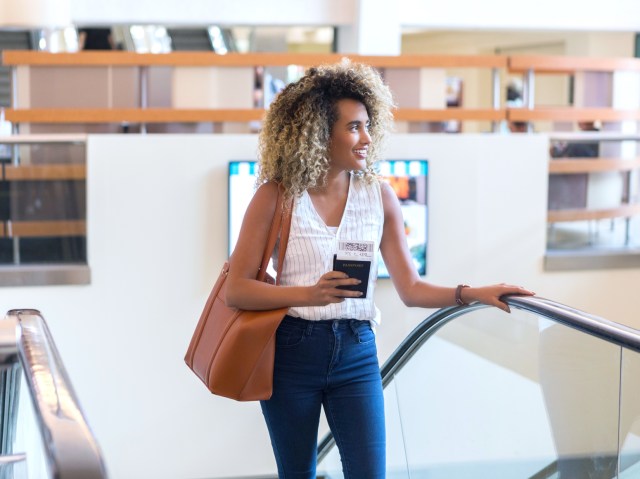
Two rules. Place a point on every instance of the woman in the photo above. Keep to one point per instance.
(320, 140)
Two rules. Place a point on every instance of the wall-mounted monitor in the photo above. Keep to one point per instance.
(408, 178)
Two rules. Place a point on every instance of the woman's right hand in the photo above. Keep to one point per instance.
(326, 291)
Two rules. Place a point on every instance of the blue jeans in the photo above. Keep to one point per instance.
(334, 364)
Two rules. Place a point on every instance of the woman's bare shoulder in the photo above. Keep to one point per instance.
(264, 199)
(389, 197)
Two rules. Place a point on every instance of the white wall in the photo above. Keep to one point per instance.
(157, 235)
(203, 12)
(615, 15)
(478, 42)
(17, 13)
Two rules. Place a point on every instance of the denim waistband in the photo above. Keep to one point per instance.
(323, 321)
(335, 324)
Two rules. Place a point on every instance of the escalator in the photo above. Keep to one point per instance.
(545, 392)
(43, 432)
(12, 40)
(190, 39)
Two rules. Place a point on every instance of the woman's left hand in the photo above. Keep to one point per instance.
(490, 295)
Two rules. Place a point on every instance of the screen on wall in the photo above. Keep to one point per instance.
(408, 178)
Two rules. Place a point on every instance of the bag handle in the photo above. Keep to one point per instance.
(280, 227)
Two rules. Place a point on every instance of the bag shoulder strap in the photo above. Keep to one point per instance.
(280, 227)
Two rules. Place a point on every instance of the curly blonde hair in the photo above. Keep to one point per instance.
(294, 140)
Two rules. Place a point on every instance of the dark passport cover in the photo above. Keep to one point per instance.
(355, 269)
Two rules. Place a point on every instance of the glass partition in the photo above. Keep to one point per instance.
(43, 211)
(512, 396)
(593, 199)
(330, 466)
(580, 378)
(630, 416)
(22, 437)
(470, 401)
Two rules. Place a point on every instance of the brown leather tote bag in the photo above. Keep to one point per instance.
(232, 350)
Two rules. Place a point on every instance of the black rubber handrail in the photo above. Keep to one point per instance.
(596, 326)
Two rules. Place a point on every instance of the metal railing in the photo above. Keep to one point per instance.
(70, 449)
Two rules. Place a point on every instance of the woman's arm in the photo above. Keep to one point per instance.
(245, 292)
(412, 290)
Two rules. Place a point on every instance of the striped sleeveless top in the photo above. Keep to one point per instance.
(312, 245)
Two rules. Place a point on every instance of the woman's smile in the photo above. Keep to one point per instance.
(350, 137)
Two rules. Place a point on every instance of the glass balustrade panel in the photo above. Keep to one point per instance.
(510, 396)
(43, 237)
(21, 436)
(629, 465)
(580, 379)
(331, 468)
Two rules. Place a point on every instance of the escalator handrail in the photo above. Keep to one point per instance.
(596, 326)
(69, 445)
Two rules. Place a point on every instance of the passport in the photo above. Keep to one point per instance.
(354, 268)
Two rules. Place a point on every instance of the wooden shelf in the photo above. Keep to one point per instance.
(170, 115)
(34, 229)
(571, 114)
(119, 58)
(566, 65)
(130, 115)
(45, 172)
(173, 115)
(625, 211)
(514, 63)
(406, 114)
(591, 165)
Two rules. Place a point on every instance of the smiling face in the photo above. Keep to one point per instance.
(350, 138)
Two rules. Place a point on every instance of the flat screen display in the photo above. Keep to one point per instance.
(408, 178)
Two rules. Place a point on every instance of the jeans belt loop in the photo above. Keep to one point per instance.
(353, 324)
(309, 328)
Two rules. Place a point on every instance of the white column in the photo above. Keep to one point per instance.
(626, 95)
(374, 31)
(35, 13)
(595, 90)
